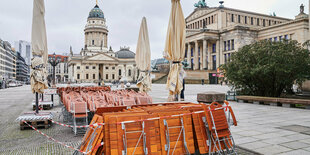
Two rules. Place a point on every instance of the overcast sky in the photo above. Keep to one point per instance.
(65, 19)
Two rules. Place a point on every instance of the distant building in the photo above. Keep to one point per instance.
(214, 34)
(24, 48)
(22, 69)
(61, 70)
(7, 61)
(97, 62)
(160, 65)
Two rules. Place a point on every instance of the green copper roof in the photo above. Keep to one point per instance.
(96, 12)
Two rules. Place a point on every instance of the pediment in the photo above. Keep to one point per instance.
(101, 57)
(197, 13)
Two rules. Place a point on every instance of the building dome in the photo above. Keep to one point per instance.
(96, 12)
(125, 53)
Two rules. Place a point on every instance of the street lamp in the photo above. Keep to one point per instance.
(54, 63)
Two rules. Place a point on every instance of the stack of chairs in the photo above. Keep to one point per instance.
(80, 103)
(175, 128)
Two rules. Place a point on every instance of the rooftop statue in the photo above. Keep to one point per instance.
(302, 9)
(201, 4)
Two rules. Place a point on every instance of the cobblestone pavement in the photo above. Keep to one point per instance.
(261, 128)
(15, 101)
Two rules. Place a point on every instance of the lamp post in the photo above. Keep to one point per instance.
(53, 63)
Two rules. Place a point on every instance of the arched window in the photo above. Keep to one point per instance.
(119, 72)
(129, 72)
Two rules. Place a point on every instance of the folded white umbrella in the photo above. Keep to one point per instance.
(39, 48)
(143, 58)
(175, 48)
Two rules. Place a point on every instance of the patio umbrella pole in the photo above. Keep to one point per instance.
(37, 103)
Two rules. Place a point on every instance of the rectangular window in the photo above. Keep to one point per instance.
(113, 68)
(270, 39)
(185, 53)
(228, 44)
(78, 76)
(192, 52)
(209, 20)
(225, 58)
(269, 22)
(275, 38)
(212, 19)
(199, 51)
(280, 38)
(107, 76)
(264, 22)
(233, 44)
(86, 76)
(225, 46)
(213, 48)
(214, 62)
(87, 67)
(245, 20)
(113, 76)
(78, 67)
(94, 76)
(257, 22)
(239, 19)
(232, 18)
(252, 21)
(228, 56)
(286, 37)
(94, 67)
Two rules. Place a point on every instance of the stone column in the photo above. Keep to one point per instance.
(209, 57)
(189, 48)
(221, 52)
(196, 63)
(204, 55)
(201, 57)
(218, 53)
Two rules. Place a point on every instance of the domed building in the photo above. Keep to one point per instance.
(97, 62)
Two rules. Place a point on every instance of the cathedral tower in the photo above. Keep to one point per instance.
(96, 31)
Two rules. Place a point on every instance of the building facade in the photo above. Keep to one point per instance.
(97, 62)
(215, 33)
(22, 69)
(24, 48)
(7, 61)
(61, 70)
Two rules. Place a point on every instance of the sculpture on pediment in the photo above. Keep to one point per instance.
(201, 4)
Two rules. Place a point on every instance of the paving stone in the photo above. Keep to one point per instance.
(295, 145)
(305, 141)
(297, 137)
(277, 140)
(267, 135)
(249, 133)
(286, 133)
(296, 152)
(273, 149)
(296, 128)
(243, 140)
(254, 145)
(306, 132)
